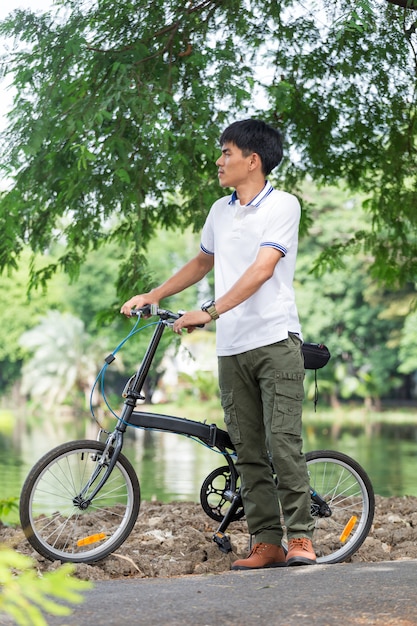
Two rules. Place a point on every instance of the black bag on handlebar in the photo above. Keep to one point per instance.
(316, 355)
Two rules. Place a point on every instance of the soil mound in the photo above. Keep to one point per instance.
(176, 539)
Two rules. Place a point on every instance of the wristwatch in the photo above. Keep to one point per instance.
(210, 308)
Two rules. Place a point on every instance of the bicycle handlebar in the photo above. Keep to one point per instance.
(164, 314)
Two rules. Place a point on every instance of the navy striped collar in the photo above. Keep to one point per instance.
(256, 201)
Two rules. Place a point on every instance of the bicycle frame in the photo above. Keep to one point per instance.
(209, 434)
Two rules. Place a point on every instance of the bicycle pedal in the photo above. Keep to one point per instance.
(223, 542)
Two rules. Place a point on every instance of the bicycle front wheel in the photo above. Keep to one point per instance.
(349, 500)
(52, 519)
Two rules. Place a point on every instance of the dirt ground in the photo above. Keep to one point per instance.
(176, 539)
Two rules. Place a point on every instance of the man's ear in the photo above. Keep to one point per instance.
(255, 161)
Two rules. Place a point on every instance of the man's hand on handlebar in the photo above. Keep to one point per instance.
(136, 303)
(190, 320)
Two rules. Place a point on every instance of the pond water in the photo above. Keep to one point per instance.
(172, 467)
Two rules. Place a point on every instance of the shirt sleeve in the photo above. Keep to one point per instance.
(281, 229)
(207, 235)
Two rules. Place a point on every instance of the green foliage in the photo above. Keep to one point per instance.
(202, 384)
(23, 314)
(25, 596)
(113, 142)
(408, 345)
(7, 505)
(7, 422)
(346, 126)
(346, 309)
(119, 106)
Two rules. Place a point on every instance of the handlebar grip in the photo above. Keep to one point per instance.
(144, 310)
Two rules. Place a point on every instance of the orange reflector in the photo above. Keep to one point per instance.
(91, 539)
(348, 528)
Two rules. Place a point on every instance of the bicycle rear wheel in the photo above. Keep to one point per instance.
(346, 489)
(53, 523)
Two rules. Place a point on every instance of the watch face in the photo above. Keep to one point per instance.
(210, 308)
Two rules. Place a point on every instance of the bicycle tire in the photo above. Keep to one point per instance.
(56, 527)
(348, 491)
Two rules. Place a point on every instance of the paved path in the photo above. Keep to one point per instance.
(381, 594)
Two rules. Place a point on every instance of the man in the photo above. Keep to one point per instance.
(251, 239)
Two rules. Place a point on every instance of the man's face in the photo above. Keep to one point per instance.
(233, 166)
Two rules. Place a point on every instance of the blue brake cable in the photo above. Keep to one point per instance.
(108, 360)
(101, 375)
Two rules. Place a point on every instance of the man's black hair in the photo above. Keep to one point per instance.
(256, 136)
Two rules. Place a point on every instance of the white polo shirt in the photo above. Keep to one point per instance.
(234, 234)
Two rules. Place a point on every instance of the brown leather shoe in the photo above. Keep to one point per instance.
(262, 555)
(300, 552)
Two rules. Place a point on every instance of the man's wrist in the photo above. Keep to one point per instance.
(154, 295)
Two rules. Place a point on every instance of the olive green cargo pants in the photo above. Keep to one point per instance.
(261, 394)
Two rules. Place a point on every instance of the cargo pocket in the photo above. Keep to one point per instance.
(230, 418)
(288, 403)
